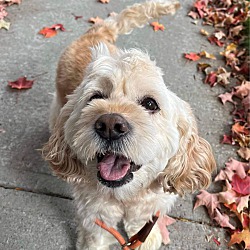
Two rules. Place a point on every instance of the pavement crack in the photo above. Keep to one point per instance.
(195, 222)
(36, 192)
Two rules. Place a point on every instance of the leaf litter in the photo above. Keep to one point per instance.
(4, 4)
(230, 19)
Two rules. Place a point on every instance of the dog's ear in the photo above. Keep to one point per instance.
(58, 153)
(191, 167)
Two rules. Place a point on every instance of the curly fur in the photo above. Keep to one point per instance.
(166, 144)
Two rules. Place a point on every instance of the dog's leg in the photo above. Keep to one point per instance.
(96, 240)
(154, 239)
(91, 206)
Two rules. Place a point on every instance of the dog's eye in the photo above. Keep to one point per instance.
(96, 96)
(150, 104)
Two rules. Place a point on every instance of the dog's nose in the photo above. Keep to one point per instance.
(111, 126)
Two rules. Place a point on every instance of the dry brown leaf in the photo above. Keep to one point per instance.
(207, 55)
(242, 236)
(95, 20)
(104, 1)
(204, 32)
(244, 153)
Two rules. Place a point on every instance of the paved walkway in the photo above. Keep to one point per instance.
(36, 209)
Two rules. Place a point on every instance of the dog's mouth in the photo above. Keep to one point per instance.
(115, 170)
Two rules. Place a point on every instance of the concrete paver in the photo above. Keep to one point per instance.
(30, 217)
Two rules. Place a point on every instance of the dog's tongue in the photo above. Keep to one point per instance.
(113, 167)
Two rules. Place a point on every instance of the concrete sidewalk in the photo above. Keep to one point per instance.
(36, 209)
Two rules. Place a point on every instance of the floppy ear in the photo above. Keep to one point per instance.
(58, 153)
(191, 167)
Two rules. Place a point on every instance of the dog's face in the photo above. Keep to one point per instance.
(123, 126)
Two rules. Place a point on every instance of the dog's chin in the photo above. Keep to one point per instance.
(115, 170)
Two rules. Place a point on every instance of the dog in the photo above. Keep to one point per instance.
(128, 145)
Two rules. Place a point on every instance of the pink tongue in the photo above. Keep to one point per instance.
(113, 168)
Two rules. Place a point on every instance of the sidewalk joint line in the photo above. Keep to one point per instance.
(195, 222)
(36, 192)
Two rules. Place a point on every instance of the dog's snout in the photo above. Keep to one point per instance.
(111, 126)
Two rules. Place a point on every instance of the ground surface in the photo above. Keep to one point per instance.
(36, 209)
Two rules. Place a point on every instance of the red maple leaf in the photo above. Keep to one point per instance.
(241, 186)
(51, 31)
(211, 79)
(200, 6)
(157, 26)
(192, 56)
(227, 139)
(21, 83)
(214, 40)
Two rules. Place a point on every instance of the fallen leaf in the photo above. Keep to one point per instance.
(104, 1)
(4, 25)
(222, 219)
(192, 56)
(246, 102)
(215, 40)
(51, 31)
(21, 83)
(204, 32)
(228, 197)
(95, 20)
(47, 32)
(241, 186)
(242, 90)
(203, 66)
(157, 26)
(242, 203)
(211, 78)
(232, 167)
(13, 1)
(244, 153)
(237, 128)
(235, 31)
(242, 236)
(58, 27)
(223, 76)
(207, 55)
(219, 35)
(226, 97)
(3, 12)
(200, 6)
(232, 197)
(227, 139)
(210, 201)
(76, 17)
(193, 14)
(163, 223)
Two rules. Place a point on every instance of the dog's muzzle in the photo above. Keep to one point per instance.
(115, 169)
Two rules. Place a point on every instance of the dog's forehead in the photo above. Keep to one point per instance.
(128, 72)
